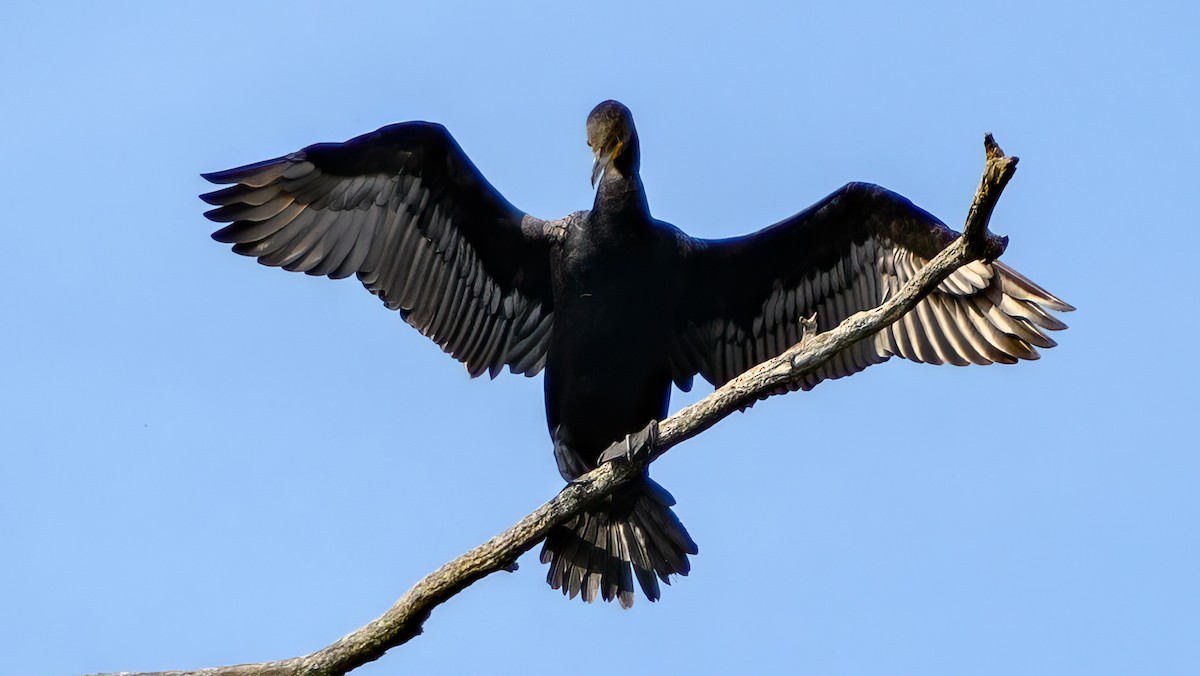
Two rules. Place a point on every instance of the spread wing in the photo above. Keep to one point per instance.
(848, 253)
(405, 210)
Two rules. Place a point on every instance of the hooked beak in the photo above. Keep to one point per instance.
(597, 169)
(600, 163)
(603, 160)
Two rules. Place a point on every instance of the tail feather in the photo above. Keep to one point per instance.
(666, 528)
(597, 568)
(632, 534)
(639, 556)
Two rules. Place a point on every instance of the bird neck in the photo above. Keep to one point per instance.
(629, 161)
(621, 187)
(621, 194)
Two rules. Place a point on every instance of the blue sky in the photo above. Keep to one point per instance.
(207, 461)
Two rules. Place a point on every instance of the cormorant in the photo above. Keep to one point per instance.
(615, 304)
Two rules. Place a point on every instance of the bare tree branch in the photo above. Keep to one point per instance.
(405, 618)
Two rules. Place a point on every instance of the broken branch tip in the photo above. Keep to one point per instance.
(991, 148)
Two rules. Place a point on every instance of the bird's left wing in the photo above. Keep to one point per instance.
(746, 296)
(405, 210)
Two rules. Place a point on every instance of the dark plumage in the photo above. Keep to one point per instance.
(613, 303)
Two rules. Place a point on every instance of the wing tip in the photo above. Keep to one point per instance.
(255, 172)
(228, 175)
(227, 234)
(1032, 290)
(1061, 306)
(218, 215)
(215, 197)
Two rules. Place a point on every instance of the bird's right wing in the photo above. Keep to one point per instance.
(849, 253)
(405, 210)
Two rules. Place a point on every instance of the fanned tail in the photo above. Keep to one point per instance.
(632, 533)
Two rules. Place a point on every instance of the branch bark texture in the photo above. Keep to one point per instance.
(405, 618)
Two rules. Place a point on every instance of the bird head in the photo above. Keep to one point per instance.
(611, 135)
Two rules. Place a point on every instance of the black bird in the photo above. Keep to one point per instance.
(614, 304)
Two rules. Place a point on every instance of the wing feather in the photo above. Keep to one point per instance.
(405, 210)
(846, 254)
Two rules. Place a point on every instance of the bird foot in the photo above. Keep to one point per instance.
(634, 446)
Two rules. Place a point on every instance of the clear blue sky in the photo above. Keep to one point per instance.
(207, 461)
